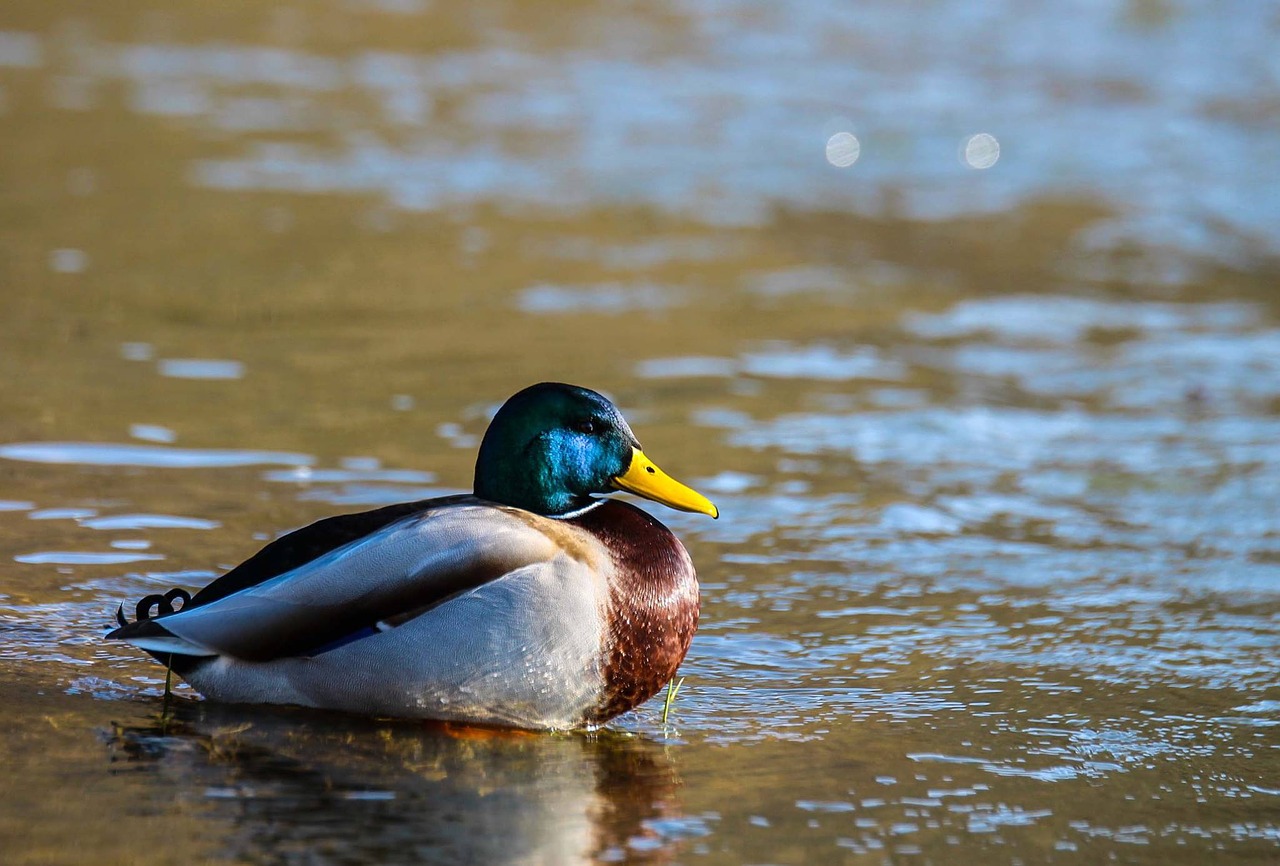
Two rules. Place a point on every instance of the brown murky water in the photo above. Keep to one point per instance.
(997, 448)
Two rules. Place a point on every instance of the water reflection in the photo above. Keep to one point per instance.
(292, 787)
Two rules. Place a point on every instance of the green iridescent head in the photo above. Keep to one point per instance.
(552, 447)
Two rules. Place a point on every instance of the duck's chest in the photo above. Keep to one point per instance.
(652, 609)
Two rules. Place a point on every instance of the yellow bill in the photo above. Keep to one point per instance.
(645, 479)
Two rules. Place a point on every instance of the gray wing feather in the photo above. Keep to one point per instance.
(407, 566)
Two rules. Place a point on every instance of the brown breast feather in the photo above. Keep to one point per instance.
(653, 605)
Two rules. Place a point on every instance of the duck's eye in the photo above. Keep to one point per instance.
(586, 425)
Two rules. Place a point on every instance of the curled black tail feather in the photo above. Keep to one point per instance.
(163, 604)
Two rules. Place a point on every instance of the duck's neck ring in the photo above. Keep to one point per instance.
(578, 512)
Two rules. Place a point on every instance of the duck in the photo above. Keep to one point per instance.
(533, 602)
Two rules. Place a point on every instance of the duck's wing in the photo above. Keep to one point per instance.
(400, 569)
(303, 545)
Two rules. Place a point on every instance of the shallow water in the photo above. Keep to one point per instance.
(998, 573)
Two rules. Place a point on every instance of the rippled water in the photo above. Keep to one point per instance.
(998, 573)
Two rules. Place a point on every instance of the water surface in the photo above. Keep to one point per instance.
(998, 574)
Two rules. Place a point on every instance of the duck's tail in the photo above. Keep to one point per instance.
(162, 602)
(148, 633)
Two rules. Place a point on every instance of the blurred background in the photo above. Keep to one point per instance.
(966, 315)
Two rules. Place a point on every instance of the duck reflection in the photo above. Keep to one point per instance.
(302, 787)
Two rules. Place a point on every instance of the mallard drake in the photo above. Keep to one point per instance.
(529, 603)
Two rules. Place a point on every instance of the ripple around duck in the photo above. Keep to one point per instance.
(310, 475)
(148, 521)
(200, 368)
(1068, 320)
(77, 557)
(156, 456)
(609, 298)
(781, 361)
(999, 439)
(349, 495)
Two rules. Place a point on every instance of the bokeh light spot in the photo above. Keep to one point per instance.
(981, 150)
(68, 261)
(843, 149)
